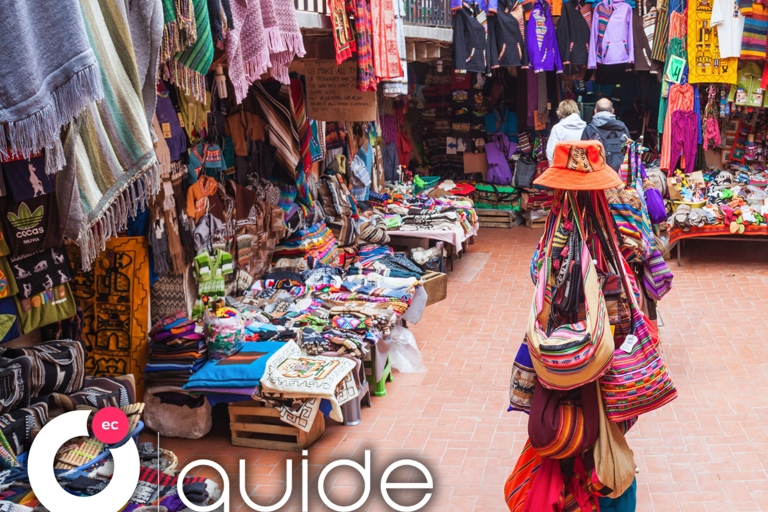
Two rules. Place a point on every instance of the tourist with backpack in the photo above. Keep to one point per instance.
(608, 130)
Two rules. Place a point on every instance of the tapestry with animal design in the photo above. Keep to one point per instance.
(41, 271)
(26, 178)
(114, 295)
(31, 225)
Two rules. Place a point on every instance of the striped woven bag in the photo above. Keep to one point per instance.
(637, 381)
(519, 482)
(576, 353)
(630, 212)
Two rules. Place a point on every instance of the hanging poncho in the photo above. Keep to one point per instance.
(45, 83)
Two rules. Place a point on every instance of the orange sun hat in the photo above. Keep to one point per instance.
(579, 165)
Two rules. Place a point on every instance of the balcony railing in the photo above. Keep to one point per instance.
(432, 13)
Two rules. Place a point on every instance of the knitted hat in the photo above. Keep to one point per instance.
(579, 166)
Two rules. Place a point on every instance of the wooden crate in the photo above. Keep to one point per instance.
(436, 286)
(256, 425)
(495, 218)
(539, 223)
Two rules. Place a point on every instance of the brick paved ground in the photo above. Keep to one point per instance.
(708, 451)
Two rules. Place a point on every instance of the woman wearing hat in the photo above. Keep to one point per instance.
(570, 126)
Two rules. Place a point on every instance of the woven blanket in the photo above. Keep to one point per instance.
(188, 67)
(115, 298)
(45, 83)
(116, 165)
(246, 43)
(296, 375)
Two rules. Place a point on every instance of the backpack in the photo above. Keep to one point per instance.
(611, 140)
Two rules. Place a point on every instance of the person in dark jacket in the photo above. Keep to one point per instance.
(609, 131)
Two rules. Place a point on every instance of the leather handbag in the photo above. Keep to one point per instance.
(563, 424)
(572, 354)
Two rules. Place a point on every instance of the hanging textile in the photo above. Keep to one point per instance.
(145, 20)
(115, 298)
(386, 55)
(704, 63)
(45, 83)
(116, 165)
(680, 98)
(246, 44)
(343, 39)
(398, 86)
(187, 68)
(283, 36)
(366, 75)
(283, 134)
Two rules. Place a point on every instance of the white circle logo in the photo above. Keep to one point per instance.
(43, 480)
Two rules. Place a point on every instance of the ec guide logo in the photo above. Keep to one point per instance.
(110, 426)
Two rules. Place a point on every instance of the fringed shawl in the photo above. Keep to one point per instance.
(192, 48)
(283, 35)
(246, 44)
(49, 74)
(116, 164)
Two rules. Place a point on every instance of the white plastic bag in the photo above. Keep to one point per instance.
(404, 354)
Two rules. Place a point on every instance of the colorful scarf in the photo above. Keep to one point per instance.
(179, 27)
(343, 39)
(246, 44)
(188, 67)
(386, 55)
(366, 75)
(116, 169)
(46, 83)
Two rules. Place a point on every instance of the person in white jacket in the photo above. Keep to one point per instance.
(569, 128)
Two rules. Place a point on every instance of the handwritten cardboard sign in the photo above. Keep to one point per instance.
(332, 94)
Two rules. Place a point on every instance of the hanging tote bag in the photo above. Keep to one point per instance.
(630, 212)
(563, 424)
(614, 462)
(637, 381)
(519, 482)
(572, 354)
(657, 277)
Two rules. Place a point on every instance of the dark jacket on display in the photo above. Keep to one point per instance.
(469, 40)
(573, 34)
(510, 42)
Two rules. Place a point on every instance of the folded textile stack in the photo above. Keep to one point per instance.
(238, 374)
(418, 220)
(393, 221)
(176, 352)
(316, 241)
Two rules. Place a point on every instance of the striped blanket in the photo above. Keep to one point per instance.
(116, 166)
